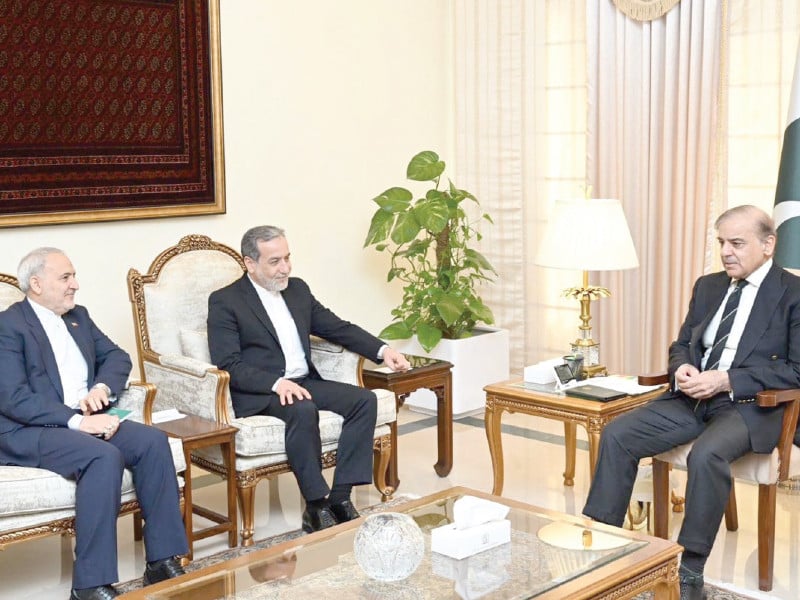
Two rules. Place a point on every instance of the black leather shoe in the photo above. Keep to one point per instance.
(315, 519)
(159, 570)
(344, 511)
(691, 585)
(102, 592)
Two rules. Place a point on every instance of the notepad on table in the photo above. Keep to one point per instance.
(594, 392)
(119, 412)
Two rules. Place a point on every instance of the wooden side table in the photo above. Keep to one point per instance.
(516, 396)
(196, 432)
(428, 373)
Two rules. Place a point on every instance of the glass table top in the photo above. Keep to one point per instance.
(545, 552)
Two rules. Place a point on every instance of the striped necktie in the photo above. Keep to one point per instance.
(725, 324)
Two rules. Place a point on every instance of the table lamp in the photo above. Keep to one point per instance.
(587, 235)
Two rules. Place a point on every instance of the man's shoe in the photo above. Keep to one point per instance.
(315, 519)
(691, 584)
(344, 511)
(159, 570)
(102, 592)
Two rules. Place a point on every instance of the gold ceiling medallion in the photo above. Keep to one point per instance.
(644, 10)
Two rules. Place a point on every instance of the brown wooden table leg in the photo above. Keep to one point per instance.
(570, 438)
(393, 472)
(492, 424)
(187, 500)
(229, 453)
(444, 418)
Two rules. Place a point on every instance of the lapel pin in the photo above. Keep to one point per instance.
(73, 323)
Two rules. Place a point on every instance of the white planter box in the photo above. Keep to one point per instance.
(477, 361)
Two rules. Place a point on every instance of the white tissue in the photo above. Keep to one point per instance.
(470, 511)
(542, 372)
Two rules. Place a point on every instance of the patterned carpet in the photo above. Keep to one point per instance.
(712, 592)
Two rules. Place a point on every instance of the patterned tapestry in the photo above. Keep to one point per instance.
(105, 106)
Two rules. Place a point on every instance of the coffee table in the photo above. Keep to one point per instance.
(545, 401)
(533, 564)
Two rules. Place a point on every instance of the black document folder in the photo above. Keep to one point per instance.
(594, 392)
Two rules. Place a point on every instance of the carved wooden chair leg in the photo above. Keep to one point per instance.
(381, 456)
(766, 535)
(731, 512)
(677, 502)
(245, 494)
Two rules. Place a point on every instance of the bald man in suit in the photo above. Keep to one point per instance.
(58, 375)
(726, 352)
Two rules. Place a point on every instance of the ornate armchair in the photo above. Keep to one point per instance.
(170, 307)
(764, 469)
(36, 503)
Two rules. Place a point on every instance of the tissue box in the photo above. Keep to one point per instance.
(460, 543)
(541, 372)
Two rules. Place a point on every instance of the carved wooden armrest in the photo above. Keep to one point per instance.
(653, 379)
(769, 398)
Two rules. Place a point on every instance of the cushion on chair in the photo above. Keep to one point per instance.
(194, 344)
(760, 468)
(259, 435)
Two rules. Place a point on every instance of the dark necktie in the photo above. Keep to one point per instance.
(725, 324)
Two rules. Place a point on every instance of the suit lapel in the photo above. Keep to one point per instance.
(82, 339)
(715, 294)
(252, 300)
(37, 331)
(767, 298)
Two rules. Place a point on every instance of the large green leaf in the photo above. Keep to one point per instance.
(479, 259)
(450, 308)
(379, 227)
(432, 215)
(405, 229)
(394, 199)
(428, 336)
(395, 331)
(481, 311)
(425, 166)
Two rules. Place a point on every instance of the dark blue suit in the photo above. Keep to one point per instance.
(243, 341)
(34, 433)
(767, 357)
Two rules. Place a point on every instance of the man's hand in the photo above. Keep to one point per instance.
(100, 425)
(95, 400)
(288, 391)
(701, 385)
(395, 361)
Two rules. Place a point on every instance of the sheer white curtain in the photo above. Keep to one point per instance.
(520, 89)
(653, 127)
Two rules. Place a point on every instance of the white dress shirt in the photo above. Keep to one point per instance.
(285, 327)
(754, 281)
(72, 368)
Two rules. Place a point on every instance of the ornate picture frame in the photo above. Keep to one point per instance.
(109, 110)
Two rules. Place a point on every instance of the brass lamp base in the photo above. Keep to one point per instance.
(594, 371)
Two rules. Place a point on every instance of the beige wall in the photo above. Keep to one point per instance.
(324, 103)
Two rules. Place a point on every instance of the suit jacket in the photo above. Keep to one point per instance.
(31, 396)
(768, 355)
(242, 339)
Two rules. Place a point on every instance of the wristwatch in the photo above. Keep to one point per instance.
(104, 387)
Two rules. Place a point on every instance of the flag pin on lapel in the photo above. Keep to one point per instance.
(73, 323)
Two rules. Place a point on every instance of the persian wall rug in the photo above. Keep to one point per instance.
(109, 109)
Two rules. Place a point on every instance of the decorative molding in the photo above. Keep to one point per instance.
(645, 10)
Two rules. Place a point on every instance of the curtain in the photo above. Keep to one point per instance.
(654, 142)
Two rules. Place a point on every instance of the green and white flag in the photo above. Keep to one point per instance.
(787, 193)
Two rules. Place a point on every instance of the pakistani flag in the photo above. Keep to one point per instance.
(787, 194)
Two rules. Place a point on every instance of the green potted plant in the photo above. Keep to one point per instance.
(429, 241)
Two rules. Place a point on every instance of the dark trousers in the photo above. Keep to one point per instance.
(720, 436)
(358, 407)
(96, 466)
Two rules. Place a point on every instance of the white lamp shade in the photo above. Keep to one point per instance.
(587, 235)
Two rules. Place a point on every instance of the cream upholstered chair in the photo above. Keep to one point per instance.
(170, 307)
(766, 470)
(35, 502)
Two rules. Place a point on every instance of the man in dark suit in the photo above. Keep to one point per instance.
(58, 375)
(258, 331)
(728, 349)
